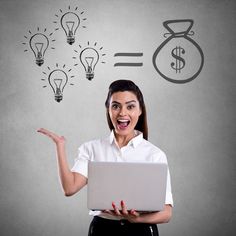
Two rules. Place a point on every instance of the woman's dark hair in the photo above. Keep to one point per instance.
(128, 85)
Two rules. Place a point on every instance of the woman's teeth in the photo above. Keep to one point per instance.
(123, 123)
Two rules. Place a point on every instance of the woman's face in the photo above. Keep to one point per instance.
(124, 111)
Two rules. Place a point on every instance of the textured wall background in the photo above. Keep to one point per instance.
(194, 123)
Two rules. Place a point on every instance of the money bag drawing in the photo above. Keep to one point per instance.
(179, 59)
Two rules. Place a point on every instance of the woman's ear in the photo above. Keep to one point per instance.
(140, 111)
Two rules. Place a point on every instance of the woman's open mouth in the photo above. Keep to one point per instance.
(123, 123)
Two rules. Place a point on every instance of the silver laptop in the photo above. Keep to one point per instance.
(142, 186)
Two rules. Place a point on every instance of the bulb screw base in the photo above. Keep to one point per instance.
(89, 76)
(58, 98)
(70, 40)
(39, 62)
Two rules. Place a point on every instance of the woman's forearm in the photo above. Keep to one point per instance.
(71, 182)
(156, 217)
(66, 176)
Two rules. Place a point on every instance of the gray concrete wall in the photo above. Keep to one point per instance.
(194, 122)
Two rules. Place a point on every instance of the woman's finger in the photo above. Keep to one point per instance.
(116, 210)
(123, 208)
(134, 213)
(56, 138)
(46, 132)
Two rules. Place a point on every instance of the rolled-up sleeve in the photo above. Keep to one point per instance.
(81, 162)
(169, 197)
(161, 157)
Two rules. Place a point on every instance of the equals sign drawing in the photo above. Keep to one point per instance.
(128, 54)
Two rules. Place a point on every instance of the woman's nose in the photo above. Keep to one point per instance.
(123, 111)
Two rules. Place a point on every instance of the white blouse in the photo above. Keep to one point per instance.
(137, 150)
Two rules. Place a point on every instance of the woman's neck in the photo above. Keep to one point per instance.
(123, 140)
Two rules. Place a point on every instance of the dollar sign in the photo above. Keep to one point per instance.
(179, 63)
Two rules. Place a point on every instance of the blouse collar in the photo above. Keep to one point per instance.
(134, 141)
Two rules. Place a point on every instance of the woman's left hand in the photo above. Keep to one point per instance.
(130, 215)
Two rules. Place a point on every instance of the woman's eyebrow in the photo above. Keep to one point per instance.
(130, 101)
(125, 103)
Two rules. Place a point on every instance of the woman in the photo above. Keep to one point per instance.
(127, 120)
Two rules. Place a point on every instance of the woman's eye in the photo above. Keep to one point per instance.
(130, 107)
(115, 106)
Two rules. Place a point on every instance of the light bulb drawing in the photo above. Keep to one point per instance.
(58, 80)
(39, 44)
(70, 22)
(89, 58)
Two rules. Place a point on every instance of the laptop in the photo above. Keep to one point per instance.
(142, 186)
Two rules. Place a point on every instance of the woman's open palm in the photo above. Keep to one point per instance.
(55, 138)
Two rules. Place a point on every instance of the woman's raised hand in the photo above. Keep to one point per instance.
(71, 182)
(55, 138)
